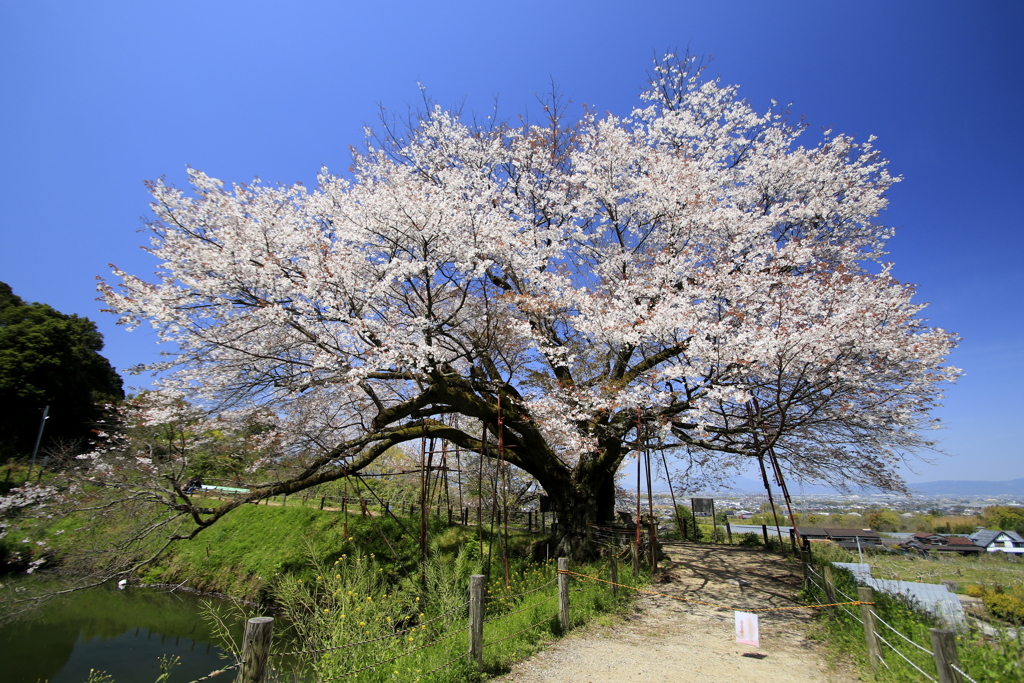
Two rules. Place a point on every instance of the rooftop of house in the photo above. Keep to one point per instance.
(811, 531)
(984, 537)
(959, 540)
(862, 533)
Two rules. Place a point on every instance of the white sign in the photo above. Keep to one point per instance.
(747, 632)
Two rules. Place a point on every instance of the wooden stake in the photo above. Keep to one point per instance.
(830, 585)
(563, 593)
(256, 650)
(613, 574)
(476, 620)
(946, 656)
(865, 594)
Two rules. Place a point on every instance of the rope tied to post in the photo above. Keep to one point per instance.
(709, 604)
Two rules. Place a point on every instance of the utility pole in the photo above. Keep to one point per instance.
(39, 438)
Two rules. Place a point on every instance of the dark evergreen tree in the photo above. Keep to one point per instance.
(50, 358)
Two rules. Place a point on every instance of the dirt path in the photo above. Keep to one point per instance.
(665, 640)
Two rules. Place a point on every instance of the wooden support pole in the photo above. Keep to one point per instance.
(805, 560)
(830, 584)
(867, 615)
(634, 551)
(476, 620)
(323, 499)
(563, 593)
(728, 531)
(652, 544)
(683, 521)
(946, 656)
(764, 534)
(256, 650)
(613, 574)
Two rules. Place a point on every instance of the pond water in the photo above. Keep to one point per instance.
(121, 632)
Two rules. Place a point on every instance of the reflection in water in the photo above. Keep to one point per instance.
(121, 632)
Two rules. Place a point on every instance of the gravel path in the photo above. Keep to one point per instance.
(665, 640)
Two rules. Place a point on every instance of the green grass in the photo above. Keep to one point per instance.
(984, 569)
(351, 600)
(248, 551)
(986, 660)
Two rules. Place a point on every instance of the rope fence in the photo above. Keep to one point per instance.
(711, 604)
(519, 595)
(519, 611)
(943, 652)
(349, 646)
(962, 673)
(218, 672)
(902, 656)
(256, 652)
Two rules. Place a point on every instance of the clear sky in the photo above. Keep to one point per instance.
(96, 97)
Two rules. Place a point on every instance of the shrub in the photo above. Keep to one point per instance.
(827, 551)
(749, 540)
(1006, 607)
(975, 591)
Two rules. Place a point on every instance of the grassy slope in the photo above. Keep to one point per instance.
(243, 553)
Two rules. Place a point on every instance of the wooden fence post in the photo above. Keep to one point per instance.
(476, 620)
(805, 560)
(563, 593)
(946, 656)
(830, 585)
(865, 594)
(764, 533)
(323, 499)
(728, 531)
(256, 650)
(685, 535)
(634, 552)
(613, 574)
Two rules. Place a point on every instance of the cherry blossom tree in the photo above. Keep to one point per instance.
(560, 283)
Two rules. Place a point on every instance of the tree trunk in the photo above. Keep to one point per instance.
(589, 499)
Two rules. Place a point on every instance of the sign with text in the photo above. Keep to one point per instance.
(747, 631)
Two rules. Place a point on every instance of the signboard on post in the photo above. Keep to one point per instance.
(747, 631)
(703, 506)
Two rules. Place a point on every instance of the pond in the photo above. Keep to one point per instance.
(121, 632)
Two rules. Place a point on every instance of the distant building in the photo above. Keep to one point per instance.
(995, 541)
(940, 543)
(853, 538)
(847, 538)
(812, 533)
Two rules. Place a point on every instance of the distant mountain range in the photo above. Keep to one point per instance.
(1014, 487)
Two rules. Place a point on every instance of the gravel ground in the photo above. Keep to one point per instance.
(665, 640)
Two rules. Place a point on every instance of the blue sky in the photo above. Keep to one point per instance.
(97, 97)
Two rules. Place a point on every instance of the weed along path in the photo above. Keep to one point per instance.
(666, 640)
